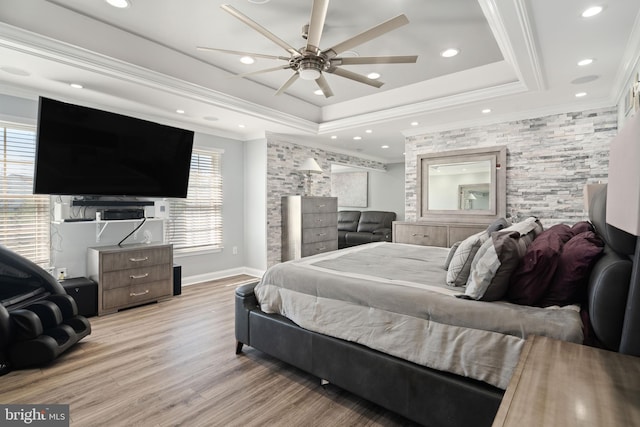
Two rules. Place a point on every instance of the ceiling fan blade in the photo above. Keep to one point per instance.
(355, 76)
(359, 60)
(267, 70)
(259, 28)
(316, 24)
(240, 53)
(367, 35)
(324, 86)
(288, 83)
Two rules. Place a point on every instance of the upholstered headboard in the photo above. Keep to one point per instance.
(610, 277)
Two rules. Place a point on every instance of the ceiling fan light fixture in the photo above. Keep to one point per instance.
(247, 60)
(310, 69)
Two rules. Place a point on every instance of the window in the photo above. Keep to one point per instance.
(196, 222)
(24, 217)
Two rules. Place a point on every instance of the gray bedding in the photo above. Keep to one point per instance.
(393, 298)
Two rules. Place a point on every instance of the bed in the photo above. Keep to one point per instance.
(393, 333)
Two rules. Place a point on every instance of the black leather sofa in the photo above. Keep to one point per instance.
(359, 227)
(38, 320)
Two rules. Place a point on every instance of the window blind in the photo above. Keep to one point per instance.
(24, 217)
(196, 222)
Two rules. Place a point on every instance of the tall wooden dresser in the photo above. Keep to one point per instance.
(309, 226)
(130, 275)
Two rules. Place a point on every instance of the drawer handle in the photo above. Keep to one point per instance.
(134, 294)
(321, 206)
(322, 248)
(141, 276)
(422, 235)
(322, 234)
(318, 220)
(139, 259)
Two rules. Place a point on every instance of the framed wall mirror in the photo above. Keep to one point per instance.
(466, 186)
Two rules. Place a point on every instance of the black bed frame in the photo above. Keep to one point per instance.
(424, 395)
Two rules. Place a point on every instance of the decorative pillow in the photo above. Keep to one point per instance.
(578, 256)
(536, 269)
(460, 265)
(497, 259)
(498, 225)
(581, 227)
(452, 251)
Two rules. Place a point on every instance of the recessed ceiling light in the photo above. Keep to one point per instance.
(259, 1)
(247, 60)
(211, 118)
(334, 136)
(241, 126)
(585, 61)
(120, 4)
(581, 94)
(180, 111)
(368, 131)
(357, 138)
(486, 111)
(76, 85)
(318, 92)
(384, 146)
(373, 76)
(414, 123)
(448, 53)
(592, 11)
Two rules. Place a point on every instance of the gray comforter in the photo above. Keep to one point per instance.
(393, 298)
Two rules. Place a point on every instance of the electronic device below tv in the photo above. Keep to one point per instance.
(88, 152)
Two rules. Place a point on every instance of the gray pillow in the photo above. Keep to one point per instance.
(452, 251)
(498, 225)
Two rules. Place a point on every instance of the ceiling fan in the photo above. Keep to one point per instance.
(310, 62)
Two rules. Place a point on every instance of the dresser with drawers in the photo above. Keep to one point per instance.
(309, 226)
(130, 275)
(433, 234)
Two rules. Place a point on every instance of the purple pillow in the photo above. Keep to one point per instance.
(581, 227)
(577, 258)
(536, 269)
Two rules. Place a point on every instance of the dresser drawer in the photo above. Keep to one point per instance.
(134, 276)
(319, 220)
(135, 294)
(416, 234)
(312, 235)
(319, 205)
(135, 258)
(319, 247)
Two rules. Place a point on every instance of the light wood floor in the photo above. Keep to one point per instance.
(173, 363)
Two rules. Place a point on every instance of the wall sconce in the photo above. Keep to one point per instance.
(308, 167)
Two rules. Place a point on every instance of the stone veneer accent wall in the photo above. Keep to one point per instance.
(283, 179)
(549, 160)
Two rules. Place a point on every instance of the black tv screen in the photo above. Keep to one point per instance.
(87, 152)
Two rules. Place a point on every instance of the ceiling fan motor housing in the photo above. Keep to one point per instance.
(310, 67)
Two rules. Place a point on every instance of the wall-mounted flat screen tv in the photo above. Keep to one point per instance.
(87, 152)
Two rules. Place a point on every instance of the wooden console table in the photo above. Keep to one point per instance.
(558, 383)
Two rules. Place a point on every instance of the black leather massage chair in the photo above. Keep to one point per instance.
(38, 320)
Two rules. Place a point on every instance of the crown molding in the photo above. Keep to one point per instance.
(39, 46)
(511, 117)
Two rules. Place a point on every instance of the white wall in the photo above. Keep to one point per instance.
(255, 203)
(386, 190)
